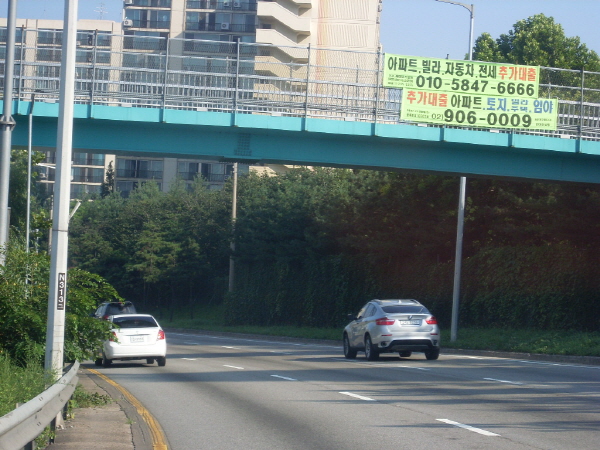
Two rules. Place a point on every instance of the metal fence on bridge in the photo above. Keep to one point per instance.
(153, 72)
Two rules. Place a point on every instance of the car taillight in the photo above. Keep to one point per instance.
(161, 335)
(431, 321)
(114, 337)
(384, 321)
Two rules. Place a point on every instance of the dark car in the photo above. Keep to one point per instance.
(107, 309)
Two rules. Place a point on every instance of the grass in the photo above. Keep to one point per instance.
(549, 342)
(19, 384)
(83, 399)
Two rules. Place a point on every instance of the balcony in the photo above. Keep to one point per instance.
(222, 5)
(232, 27)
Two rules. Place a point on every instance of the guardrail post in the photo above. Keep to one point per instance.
(237, 76)
(378, 83)
(581, 103)
(94, 49)
(307, 84)
(164, 96)
(21, 62)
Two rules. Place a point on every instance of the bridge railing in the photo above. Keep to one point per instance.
(250, 78)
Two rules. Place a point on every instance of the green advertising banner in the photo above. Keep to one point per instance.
(469, 110)
(468, 77)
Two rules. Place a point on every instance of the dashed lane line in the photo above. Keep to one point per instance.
(360, 397)
(504, 381)
(468, 427)
(284, 378)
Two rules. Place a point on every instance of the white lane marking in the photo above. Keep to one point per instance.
(255, 340)
(284, 378)
(468, 427)
(503, 381)
(233, 348)
(524, 361)
(559, 364)
(233, 367)
(360, 397)
(189, 359)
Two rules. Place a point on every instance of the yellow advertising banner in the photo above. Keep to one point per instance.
(467, 77)
(470, 110)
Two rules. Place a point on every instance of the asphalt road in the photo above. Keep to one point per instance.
(226, 392)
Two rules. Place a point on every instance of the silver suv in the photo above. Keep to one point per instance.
(387, 326)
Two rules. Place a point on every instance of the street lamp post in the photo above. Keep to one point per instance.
(29, 147)
(7, 124)
(233, 219)
(461, 201)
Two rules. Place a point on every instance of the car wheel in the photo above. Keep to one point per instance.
(162, 360)
(370, 351)
(405, 354)
(98, 361)
(105, 361)
(149, 360)
(349, 352)
(432, 354)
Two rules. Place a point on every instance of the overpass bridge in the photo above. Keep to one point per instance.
(241, 103)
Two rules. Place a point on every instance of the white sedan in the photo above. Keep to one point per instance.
(135, 336)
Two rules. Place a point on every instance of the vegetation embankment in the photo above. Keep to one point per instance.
(24, 280)
(547, 342)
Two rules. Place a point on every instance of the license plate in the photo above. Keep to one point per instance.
(137, 338)
(410, 322)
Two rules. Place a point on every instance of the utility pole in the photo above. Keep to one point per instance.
(55, 334)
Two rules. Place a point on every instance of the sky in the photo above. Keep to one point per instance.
(408, 27)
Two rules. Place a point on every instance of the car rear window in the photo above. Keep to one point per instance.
(120, 309)
(405, 309)
(135, 322)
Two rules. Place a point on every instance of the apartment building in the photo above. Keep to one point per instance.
(295, 29)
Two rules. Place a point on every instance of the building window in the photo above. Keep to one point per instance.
(139, 168)
(152, 3)
(188, 170)
(49, 37)
(145, 40)
(242, 5)
(88, 159)
(87, 175)
(147, 18)
(125, 187)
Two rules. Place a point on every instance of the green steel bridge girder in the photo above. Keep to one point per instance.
(256, 138)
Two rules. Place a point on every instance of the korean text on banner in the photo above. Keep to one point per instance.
(478, 110)
(468, 77)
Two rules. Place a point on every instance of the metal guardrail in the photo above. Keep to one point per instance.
(20, 427)
(250, 78)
